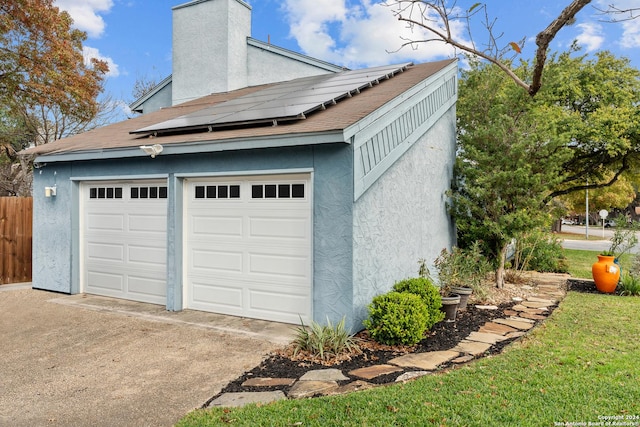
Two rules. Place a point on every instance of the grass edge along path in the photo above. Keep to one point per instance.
(581, 365)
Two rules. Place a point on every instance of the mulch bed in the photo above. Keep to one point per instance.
(579, 285)
(443, 336)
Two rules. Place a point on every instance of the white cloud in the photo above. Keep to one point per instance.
(591, 36)
(86, 14)
(361, 33)
(630, 36)
(92, 52)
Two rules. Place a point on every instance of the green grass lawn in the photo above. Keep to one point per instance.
(580, 365)
(574, 236)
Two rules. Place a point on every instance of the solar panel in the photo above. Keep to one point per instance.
(292, 100)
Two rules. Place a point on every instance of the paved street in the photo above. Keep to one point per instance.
(599, 243)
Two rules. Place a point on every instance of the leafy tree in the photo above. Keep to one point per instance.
(510, 158)
(41, 60)
(47, 89)
(516, 152)
(616, 196)
(598, 99)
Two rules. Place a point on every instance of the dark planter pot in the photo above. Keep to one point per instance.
(464, 293)
(450, 307)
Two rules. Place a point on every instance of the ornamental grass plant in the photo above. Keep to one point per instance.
(324, 341)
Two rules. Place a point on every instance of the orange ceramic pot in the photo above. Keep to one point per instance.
(606, 274)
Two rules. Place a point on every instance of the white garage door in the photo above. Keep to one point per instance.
(124, 240)
(248, 247)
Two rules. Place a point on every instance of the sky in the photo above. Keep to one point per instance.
(134, 36)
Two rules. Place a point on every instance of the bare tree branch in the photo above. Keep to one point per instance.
(544, 38)
(613, 12)
(418, 13)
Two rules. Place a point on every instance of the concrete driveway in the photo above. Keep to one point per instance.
(71, 360)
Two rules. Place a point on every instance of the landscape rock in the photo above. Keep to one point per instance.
(532, 316)
(496, 328)
(428, 361)
(515, 323)
(349, 388)
(463, 359)
(472, 347)
(244, 398)
(411, 375)
(485, 337)
(534, 304)
(324, 375)
(268, 382)
(542, 300)
(374, 371)
(311, 388)
(487, 307)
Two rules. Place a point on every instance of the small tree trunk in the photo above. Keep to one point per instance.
(500, 271)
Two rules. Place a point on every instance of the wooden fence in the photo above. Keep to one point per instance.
(16, 215)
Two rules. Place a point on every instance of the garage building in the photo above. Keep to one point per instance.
(286, 200)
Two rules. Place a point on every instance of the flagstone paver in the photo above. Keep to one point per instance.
(311, 388)
(521, 319)
(463, 359)
(548, 301)
(532, 316)
(496, 328)
(268, 382)
(534, 304)
(485, 337)
(515, 323)
(374, 371)
(487, 307)
(349, 388)
(428, 361)
(472, 347)
(516, 334)
(244, 398)
(324, 375)
(411, 375)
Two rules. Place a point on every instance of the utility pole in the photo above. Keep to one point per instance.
(586, 220)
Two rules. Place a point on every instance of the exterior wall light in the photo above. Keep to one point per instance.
(152, 150)
(50, 191)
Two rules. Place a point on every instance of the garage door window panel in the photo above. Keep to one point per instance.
(217, 192)
(279, 191)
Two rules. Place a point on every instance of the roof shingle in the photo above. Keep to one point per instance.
(335, 118)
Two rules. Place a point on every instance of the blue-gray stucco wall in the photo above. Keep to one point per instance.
(56, 219)
(403, 218)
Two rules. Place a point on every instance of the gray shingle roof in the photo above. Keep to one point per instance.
(334, 118)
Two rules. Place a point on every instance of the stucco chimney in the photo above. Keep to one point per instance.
(209, 48)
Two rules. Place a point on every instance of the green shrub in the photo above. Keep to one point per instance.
(428, 292)
(397, 318)
(540, 251)
(325, 341)
(629, 285)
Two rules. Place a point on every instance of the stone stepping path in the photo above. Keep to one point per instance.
(323, 382)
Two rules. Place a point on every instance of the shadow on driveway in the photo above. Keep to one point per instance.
(70, 360)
